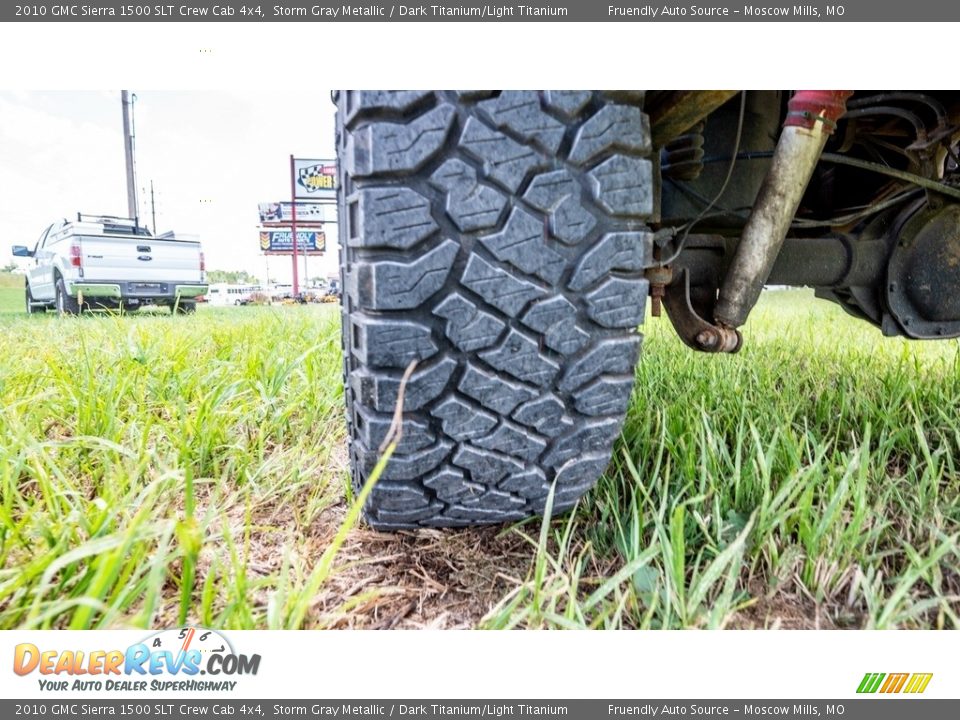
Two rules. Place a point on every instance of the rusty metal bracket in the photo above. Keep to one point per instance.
(659, 276)
(687, 308)
(674, 113)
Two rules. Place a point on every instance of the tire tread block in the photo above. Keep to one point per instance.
(470, 204)
(605, 396)
(494, 500)
(492, 391)
(507, 293)
(408, 466)
(380, 390)
(530, 484)
(399, 497)
(613, 355)
(519, 356)
(450, 486)
(559, 195)
(511, 439)
(461, 420)
(618, 302)
(391, 343)
(391, 285)
(475, 515)
(400, 519)
(547, 414)
(389, 218)
(372, 428)
(468, 327)
(580, 470)
(358, 101)
(568, 103)
(555, 318)
(519, 111)
(399, 148)
(627, 251)
(521, 243)
(485, 466)
(622, 186)
(614, 127)
(505, 161)
(586, 437)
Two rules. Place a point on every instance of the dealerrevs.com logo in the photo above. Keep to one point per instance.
(169, 660)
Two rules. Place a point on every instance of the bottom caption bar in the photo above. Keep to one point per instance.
(857, 709)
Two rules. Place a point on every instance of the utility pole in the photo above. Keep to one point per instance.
(153, 210)
(293, 226)
(128, 152)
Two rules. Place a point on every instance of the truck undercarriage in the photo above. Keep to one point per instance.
(877, 229)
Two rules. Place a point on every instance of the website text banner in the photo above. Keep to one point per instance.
(199, 663)
(475, 11)
(420, 709)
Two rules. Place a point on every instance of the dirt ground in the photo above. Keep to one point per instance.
(425, 579)
(439, 579)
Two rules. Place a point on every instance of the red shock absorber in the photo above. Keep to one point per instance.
(811, 117)
(808, 107)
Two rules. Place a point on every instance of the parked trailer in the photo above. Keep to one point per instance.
(224, 294)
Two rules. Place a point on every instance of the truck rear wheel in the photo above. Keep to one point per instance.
(183, 308)
(66, 305)
(31, 308)
(498, 240)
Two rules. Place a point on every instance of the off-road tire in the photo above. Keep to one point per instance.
(498, 239)
(65, 304)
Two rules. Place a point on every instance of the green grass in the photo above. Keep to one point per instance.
(11, 292)
(145, 460)
(810, 480)
(156, 470)
(11, 280)
(11, 300)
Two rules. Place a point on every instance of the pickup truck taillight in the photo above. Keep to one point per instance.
(76, 259)
(203, 263)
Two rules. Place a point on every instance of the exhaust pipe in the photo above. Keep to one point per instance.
(811, 118)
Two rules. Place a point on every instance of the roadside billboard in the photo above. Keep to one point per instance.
(282, 212)
(314, 179)
(280, 242)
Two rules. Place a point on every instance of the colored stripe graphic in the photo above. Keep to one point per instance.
(918, 682)
(894, 683)
(870, 682)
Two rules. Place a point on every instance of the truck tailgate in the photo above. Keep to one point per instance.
(139, 259)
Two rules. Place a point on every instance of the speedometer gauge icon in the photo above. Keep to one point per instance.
(181, 640)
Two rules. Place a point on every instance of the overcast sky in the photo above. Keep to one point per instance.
(212, 157)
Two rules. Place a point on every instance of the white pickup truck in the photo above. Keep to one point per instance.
(109, 262)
